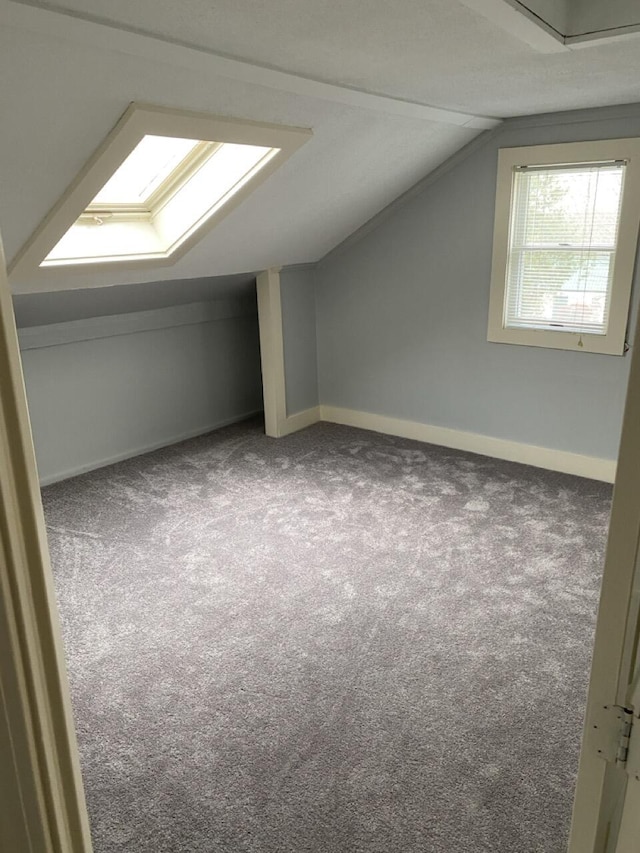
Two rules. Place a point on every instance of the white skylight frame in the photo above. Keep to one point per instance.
(138, 121)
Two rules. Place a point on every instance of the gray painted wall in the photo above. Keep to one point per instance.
(297, 295)
(402, 315)
(97, 399)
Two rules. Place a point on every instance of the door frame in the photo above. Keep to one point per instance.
(41, 783)
(600, 788)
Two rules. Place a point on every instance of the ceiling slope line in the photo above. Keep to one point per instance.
(44, 18)
(568, 117)
(401, 201)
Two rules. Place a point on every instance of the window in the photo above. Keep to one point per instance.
(164, 189)
(566, 228)
(150, 190)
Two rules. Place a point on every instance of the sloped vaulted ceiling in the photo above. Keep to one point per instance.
(389, 90)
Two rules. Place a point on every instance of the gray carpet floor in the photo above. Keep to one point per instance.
(336, 642)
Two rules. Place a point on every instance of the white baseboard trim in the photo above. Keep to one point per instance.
(300, 420)
(578, 464)
(591, 467)
(147, 448)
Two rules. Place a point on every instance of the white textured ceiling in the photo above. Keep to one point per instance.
(434, 51)
(66, 79)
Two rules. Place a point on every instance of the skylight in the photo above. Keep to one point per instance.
(148, 193)
(165, 189)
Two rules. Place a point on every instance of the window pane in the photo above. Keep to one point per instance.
(150, 163)
(572, 207)
(564, 226)
(568, 290)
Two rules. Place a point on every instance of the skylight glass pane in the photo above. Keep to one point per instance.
(116, 235)
(113, 241)
(150, 163)
(563, 235)
(223, 175)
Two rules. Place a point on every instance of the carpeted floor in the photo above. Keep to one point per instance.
(336, 642)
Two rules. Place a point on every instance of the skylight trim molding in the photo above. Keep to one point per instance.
(140, 120)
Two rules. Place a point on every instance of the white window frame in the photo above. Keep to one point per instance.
(613, 342)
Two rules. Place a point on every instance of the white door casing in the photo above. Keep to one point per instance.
(607, 800)
(43, 806)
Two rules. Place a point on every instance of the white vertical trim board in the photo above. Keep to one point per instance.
(271, 351)
(274, 389)
(40, 780)
(578, 464)
(607, 794)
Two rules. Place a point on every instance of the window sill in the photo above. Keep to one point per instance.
(603, 344)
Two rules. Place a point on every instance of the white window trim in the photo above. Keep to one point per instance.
(138, 121)
(613, 343)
